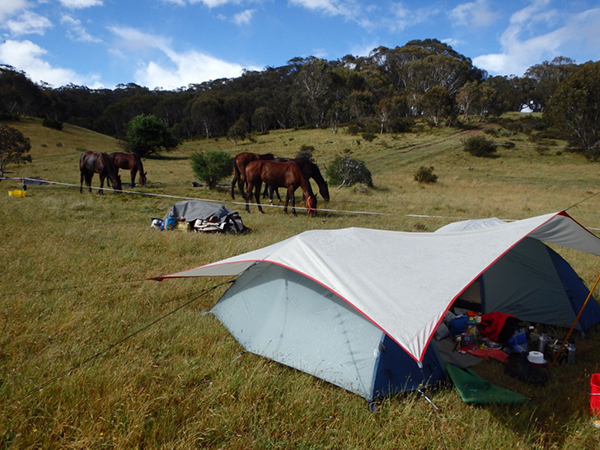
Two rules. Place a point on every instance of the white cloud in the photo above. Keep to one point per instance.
(28, 23)
(474, 14)
(244, 17)
(77, 32)
(10, 7)
(208, 3)
(79, 4)
(521, 50)
(178, 69)
(350, 9)
(401, 17)
(28, 57)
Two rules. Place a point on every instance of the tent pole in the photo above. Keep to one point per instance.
(574, 323)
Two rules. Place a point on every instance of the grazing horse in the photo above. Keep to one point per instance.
(100, 163)
(279, 174)
(131, 162)
(239, 168)
(309, 170)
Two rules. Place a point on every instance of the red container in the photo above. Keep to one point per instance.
(595, 394)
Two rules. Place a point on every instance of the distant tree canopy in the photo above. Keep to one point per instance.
(147, 135)
(14, 147)
(575, 108)
(383, 92)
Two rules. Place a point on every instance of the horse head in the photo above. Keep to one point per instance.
(116, 183)
(311, 205)
(143, 178)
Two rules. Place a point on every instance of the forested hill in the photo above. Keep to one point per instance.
(380, 93)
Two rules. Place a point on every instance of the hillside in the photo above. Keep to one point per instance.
(94, 355)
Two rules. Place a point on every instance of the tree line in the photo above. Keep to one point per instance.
(381, 93)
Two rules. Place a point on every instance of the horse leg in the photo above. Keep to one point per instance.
(257, 196)
(101, 192)
(233, 183)
(88, 181)
(247, 196)
(242, 183)
(81, 181)
(133, 174)
(293, 197)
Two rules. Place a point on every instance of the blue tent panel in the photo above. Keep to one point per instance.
(576, 291)
(397, 372)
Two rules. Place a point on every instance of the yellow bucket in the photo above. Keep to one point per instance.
(17, 193)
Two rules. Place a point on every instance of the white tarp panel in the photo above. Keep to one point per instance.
(402, 282)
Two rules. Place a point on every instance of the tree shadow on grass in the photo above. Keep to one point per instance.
(166, 158)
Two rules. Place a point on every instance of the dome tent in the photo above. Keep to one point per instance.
(366, 323)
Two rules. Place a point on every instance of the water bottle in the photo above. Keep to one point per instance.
(542, 341)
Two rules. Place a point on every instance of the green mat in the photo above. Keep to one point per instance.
(473, 389)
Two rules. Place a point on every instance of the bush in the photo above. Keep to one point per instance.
(480, 146)
(51, 123)
(369, 137)
(425, 175)
(211, 167)
(346, 171)
(353, 129)
(306, 152)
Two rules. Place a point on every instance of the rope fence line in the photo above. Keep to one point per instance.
(342, 211)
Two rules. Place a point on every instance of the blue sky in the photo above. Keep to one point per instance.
(171, 43)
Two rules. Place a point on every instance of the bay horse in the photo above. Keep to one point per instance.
(309, 170)
(279, 174)
(131, 162)
(239, 168)
(100, 163)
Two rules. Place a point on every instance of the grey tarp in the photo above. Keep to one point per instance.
(205, 216)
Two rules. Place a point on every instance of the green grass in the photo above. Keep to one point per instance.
(70, 265)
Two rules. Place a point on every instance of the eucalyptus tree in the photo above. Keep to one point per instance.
(547, 76)
(574, 109)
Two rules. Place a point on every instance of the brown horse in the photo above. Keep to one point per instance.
(100, 163)
(279, 174)
(131, 162)
(239, 168)
(309, 170)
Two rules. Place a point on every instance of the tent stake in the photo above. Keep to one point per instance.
(574, 323)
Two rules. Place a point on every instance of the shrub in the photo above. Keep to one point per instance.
(211, 166)
(480, 146)
(306, 152)
(238, 131)
(425, 175)
(51, 123)
(353, 129)
(369, 137)
(346, 171)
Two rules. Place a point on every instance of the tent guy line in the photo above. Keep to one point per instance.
(343, 211)
(98, 354)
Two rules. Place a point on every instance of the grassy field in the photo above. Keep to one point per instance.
(85, 361)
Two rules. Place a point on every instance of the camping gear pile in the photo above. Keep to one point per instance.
(198, 216)
(359, 307)
(505, 338)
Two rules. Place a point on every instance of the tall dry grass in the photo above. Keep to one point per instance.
(81, 366)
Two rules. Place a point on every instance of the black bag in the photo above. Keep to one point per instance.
(519, 366)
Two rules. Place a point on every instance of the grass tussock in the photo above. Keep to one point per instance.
(80, 367)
